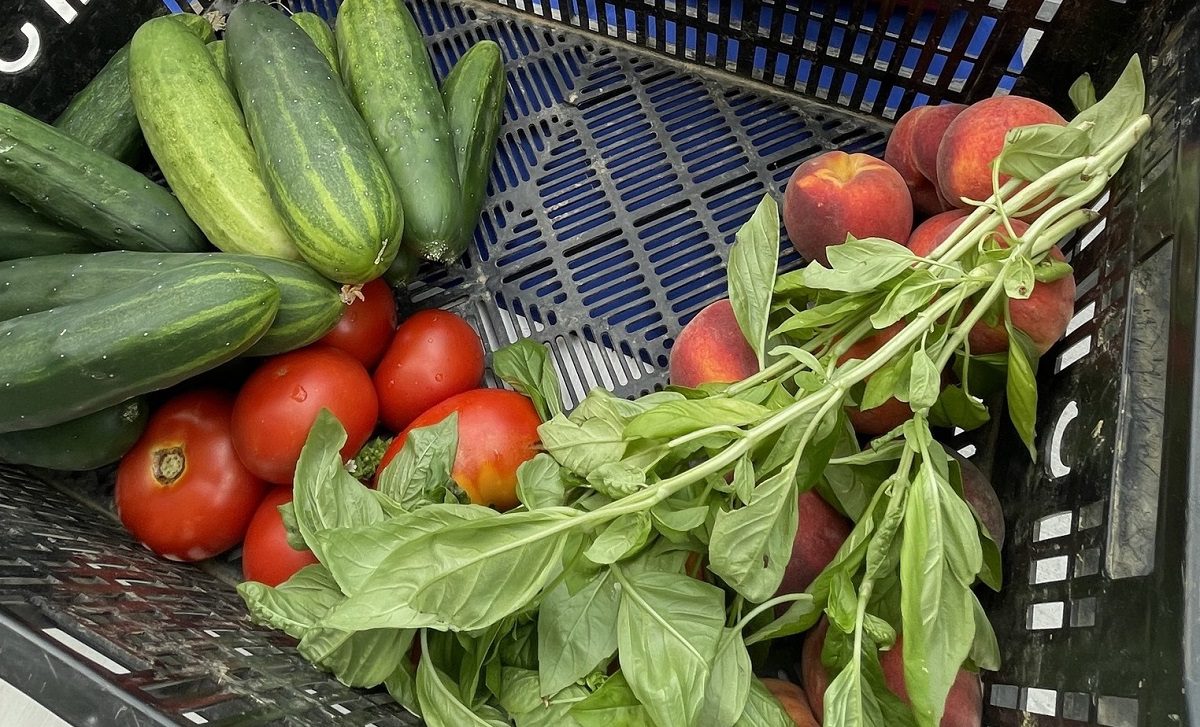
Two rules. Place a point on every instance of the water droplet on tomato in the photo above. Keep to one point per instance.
(299, 394)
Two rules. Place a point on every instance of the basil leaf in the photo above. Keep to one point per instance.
(1050, 270)
(540, 483)
(753, 262)
(325, 495)
(924, 380)
(520, 692)
(296, 605)
(859, 266)
(620, 538)
(677, 418)
(1022, 388)
(440, 705)
(800, 355)
(955, 408)
(668, 626)
(822, 314)
(358, 658)
(751, 546)
(800, 616)
(526, 367)
(1032, 151)
(1123, 103)
(575, 632)
(1018, 284)
(1082, 93)
(617, 479)
(519, 647)
(763, 709)
(477, 648)
(682, 519)
(915, 292)
(985, 650)
(850, 703)
(294, 539)
(882, 385)
(402, 685)
(612, 705)
(895, 712)
(991, 574)
(421, 469)
(466, 576)
(582, 447)
(554, 712)
(743, 479)
(842, 606)
(729, 683)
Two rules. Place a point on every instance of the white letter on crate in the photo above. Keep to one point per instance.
(31, 53)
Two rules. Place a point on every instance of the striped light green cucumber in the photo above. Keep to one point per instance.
(67, 362)
(102, 114)
(474, 97)
(309, 305)
(81, 189)
(391, 80)
(323, 172)
(198, 136)
(318, 30)
(221, 58)
(85, 443)
(24, 233)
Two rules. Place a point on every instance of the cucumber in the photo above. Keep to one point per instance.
(217, 49)
(403, 270)
(390, 78)
(24, 233)
(102, 114)
(178, 90)
(318, 30)
(319, 164)
(86, 443)
(81, 189)
(474, 97)
(67, 362)
(309, 305)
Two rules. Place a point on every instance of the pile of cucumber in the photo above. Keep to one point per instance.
(309, 159)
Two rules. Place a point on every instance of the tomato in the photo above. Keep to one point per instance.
(367, 325)
(181, 490)
(281, 399)
(434, 356)
(497, 431)
(266, 555)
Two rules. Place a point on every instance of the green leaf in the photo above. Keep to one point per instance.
(668, 626)
(420, 471)
(294, 539)
(1022, 389)
(325, 495)
(680, 519)
(440, 704)
(859, 266)
(358, 658)
(1050, 270)
(842, 605)
(520, 692)
(603, 404)
(1032, 151)
(924, 380)
(729, 682)
(540, 483)
(617, 479)
(753, 262)
(850, 703)
(677, 418)
(576, 632)
(556, 712)
(583, 447)
(620, 538)
(1123, 103)
(822, 314)
(525, 366)
(296, 605)
(477, 648)
(465, 576)
(1082, 93)
(763, 709)
(402, 685)
(915, 292)
(1018, 283)
(985, 650)
(955, 408)
(800, 355)
(366, 462)
(743, 479)
(883, 384)
(751, 546)
(612, 705)
(992, 572)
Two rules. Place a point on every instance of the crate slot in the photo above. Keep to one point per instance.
(1049, 570)
(1052, 526)
(1117, 712)
(85, 651)
(1041, 701)
(1045, 616)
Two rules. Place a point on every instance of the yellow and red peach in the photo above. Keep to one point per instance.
(793, 700)
(711, 349)
(929, 137)
(934, 231)
(820, 531)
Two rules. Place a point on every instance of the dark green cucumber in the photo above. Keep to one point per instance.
(221, 58)
(81, 189)
(24, 233)
(309, 305)
(390, 78)
(102, 114)
(177, 90)
(67, 362)
(474, 97)
(91, 441)
(403, 270)
(322, 36)
(323, 172)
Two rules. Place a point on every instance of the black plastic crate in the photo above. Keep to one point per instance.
(638, 136)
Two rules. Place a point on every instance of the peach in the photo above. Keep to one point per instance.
(978, 491)
(820, 531)
(976, 136)
(929, 137)
(934, 231)
(838, 194)
(964, 703)
(900, 153)
(711, 349)
(891, 413)
(793, 700)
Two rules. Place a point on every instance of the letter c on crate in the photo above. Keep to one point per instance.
(32, 51)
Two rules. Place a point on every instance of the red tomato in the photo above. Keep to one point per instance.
(497, 431)
(367, 325)
(434, 356)
(280, 401)
(181, 490)
(266, 555)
